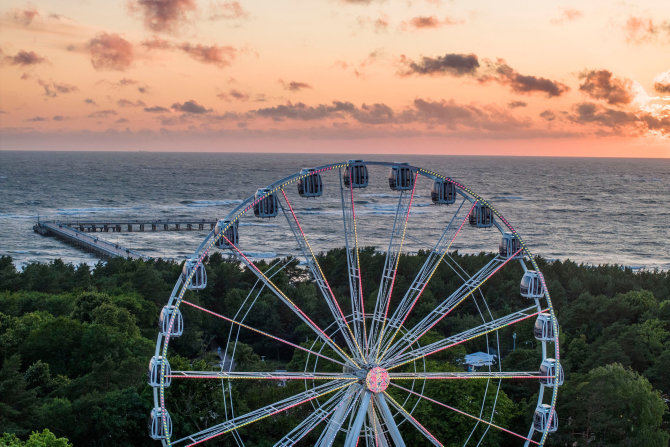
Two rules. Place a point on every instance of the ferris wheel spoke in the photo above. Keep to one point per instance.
(320, 414)
(490, 424)
(443, 309)
(256, 375)
(425, 274)
(319, 277)
(462, 337)
(387, 282)
(258, 331)
(262, 413)
(353, 261)
(286, 300)
(339, 416)
(468, 375)
(412, 420)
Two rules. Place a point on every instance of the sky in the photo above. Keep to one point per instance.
(546, 78)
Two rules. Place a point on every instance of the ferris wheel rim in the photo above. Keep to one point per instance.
(180, 287)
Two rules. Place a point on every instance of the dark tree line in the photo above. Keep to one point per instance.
(75, 344)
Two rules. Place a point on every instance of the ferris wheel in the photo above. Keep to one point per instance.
(366, 370)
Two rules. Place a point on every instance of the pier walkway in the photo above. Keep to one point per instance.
(79, 233)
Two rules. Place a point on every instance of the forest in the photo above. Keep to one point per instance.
(75, 344)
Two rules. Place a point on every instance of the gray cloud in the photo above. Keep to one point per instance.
(295, 86)
(190, 107)
(599, 84)
(233, 94)
(128, 103)
(453, 64)
(300, 111)
(156, 109)
(548, 115)
(506, 75)
(102, 114)
(515, 104)
(25, 58)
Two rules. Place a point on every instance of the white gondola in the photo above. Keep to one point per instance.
(232, 233)
(443, 192)
(550, 376)
(544, 328)
(541, 419)
(164, 321)
(311, 185)
(355, 174)
(531, 286)
(157, 430)
(401, 177)
(199, 279)
(265, 206)
(509, 244)
(481, 216)
(154, 374)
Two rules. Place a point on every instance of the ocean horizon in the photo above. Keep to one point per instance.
(589, 210)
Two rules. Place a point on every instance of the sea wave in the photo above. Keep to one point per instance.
(206, 203)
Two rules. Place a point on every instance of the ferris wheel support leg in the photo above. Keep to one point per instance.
(389, 421)
(354, 433)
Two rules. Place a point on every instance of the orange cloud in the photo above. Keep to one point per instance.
(110, 52)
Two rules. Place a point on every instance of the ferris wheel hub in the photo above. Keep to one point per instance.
(377, 380)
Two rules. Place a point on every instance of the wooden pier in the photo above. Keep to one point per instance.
(78, 233)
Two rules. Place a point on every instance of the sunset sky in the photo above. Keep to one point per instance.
(420, 76)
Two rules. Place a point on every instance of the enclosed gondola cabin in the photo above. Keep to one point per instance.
(481, 216)
(310, 185)
(401, 177)
(544, 328)
(265, 204)
(164, 322)
(157, 430)
(551, 373)
(154, 374)
(531, 286)
(197, 273)
(443, 192)
(355, 174)
(509, 244)
(541, 420)
(230, 234)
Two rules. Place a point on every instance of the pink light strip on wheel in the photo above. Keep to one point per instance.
(205, 376)
(230, 320)
(467, 339)
(461, 300)
(358, 262)
(395, 270)
(344, 319)
(300, 311)
(465, 414)
(466, 378)
(408, 415)
(281, 410)
(390, 343)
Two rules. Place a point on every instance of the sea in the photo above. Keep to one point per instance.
(589, 210)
